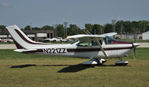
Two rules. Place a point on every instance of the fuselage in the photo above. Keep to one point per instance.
(112, 50)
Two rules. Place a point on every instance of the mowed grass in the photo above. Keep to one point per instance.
(28, 70)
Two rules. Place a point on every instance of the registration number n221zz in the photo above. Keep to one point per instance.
(54, 50)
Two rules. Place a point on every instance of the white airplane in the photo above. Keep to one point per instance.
(95, 47)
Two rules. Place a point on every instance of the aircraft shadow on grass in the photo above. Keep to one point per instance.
(30, 65)
(73, 68)
(23, 66)
(68, 69)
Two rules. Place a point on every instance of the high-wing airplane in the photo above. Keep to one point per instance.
(95, 47)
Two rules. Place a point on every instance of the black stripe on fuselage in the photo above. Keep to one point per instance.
(95, 49)
(83, 49)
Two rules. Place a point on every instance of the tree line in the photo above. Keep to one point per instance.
(121, 27)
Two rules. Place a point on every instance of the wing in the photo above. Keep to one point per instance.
(109, 34)
(86, 35)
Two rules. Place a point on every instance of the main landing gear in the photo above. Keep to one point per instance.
(93, 62)
(121, 62)
(100, 61)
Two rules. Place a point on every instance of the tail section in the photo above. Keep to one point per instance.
(20, 39)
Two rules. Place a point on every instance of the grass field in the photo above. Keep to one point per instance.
(27, 70)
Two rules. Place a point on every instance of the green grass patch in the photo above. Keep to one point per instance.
(42, 71)
(6, 43)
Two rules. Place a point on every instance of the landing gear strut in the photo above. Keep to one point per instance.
(121, 62)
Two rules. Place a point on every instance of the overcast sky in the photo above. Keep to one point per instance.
(38, 13)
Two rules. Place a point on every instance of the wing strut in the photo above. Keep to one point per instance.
(98, 44)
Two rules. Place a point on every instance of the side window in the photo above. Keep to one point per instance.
(106, 41)
(94, 43)
(89, 43)
(84, 44)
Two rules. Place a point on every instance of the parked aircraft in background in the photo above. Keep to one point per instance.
(6, 40)
(58, 39)
(95, 47)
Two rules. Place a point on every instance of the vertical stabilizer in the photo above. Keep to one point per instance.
(20, 39)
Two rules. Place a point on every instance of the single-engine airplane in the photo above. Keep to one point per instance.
(95, 47)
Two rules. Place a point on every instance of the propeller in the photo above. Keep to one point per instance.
(134, 51)
(98, 44)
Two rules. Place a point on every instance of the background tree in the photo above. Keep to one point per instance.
(73, 29)
(2, 28)
(142, 26)
(97, 29)
(47, 27)
(89, 27)
(147, 26)
(36, 28)
(60, 30)
(108, 28)
(28, 27)
(125, 27)
(119, 27)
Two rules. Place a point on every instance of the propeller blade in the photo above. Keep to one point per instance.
(134, 51)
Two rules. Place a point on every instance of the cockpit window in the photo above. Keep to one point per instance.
(74, 41)
(94, 43)
(109, 40)
(83, 43)
(89, 43)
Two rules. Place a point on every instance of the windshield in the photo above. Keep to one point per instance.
(109, 40)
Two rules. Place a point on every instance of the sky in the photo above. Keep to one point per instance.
(38, 13)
